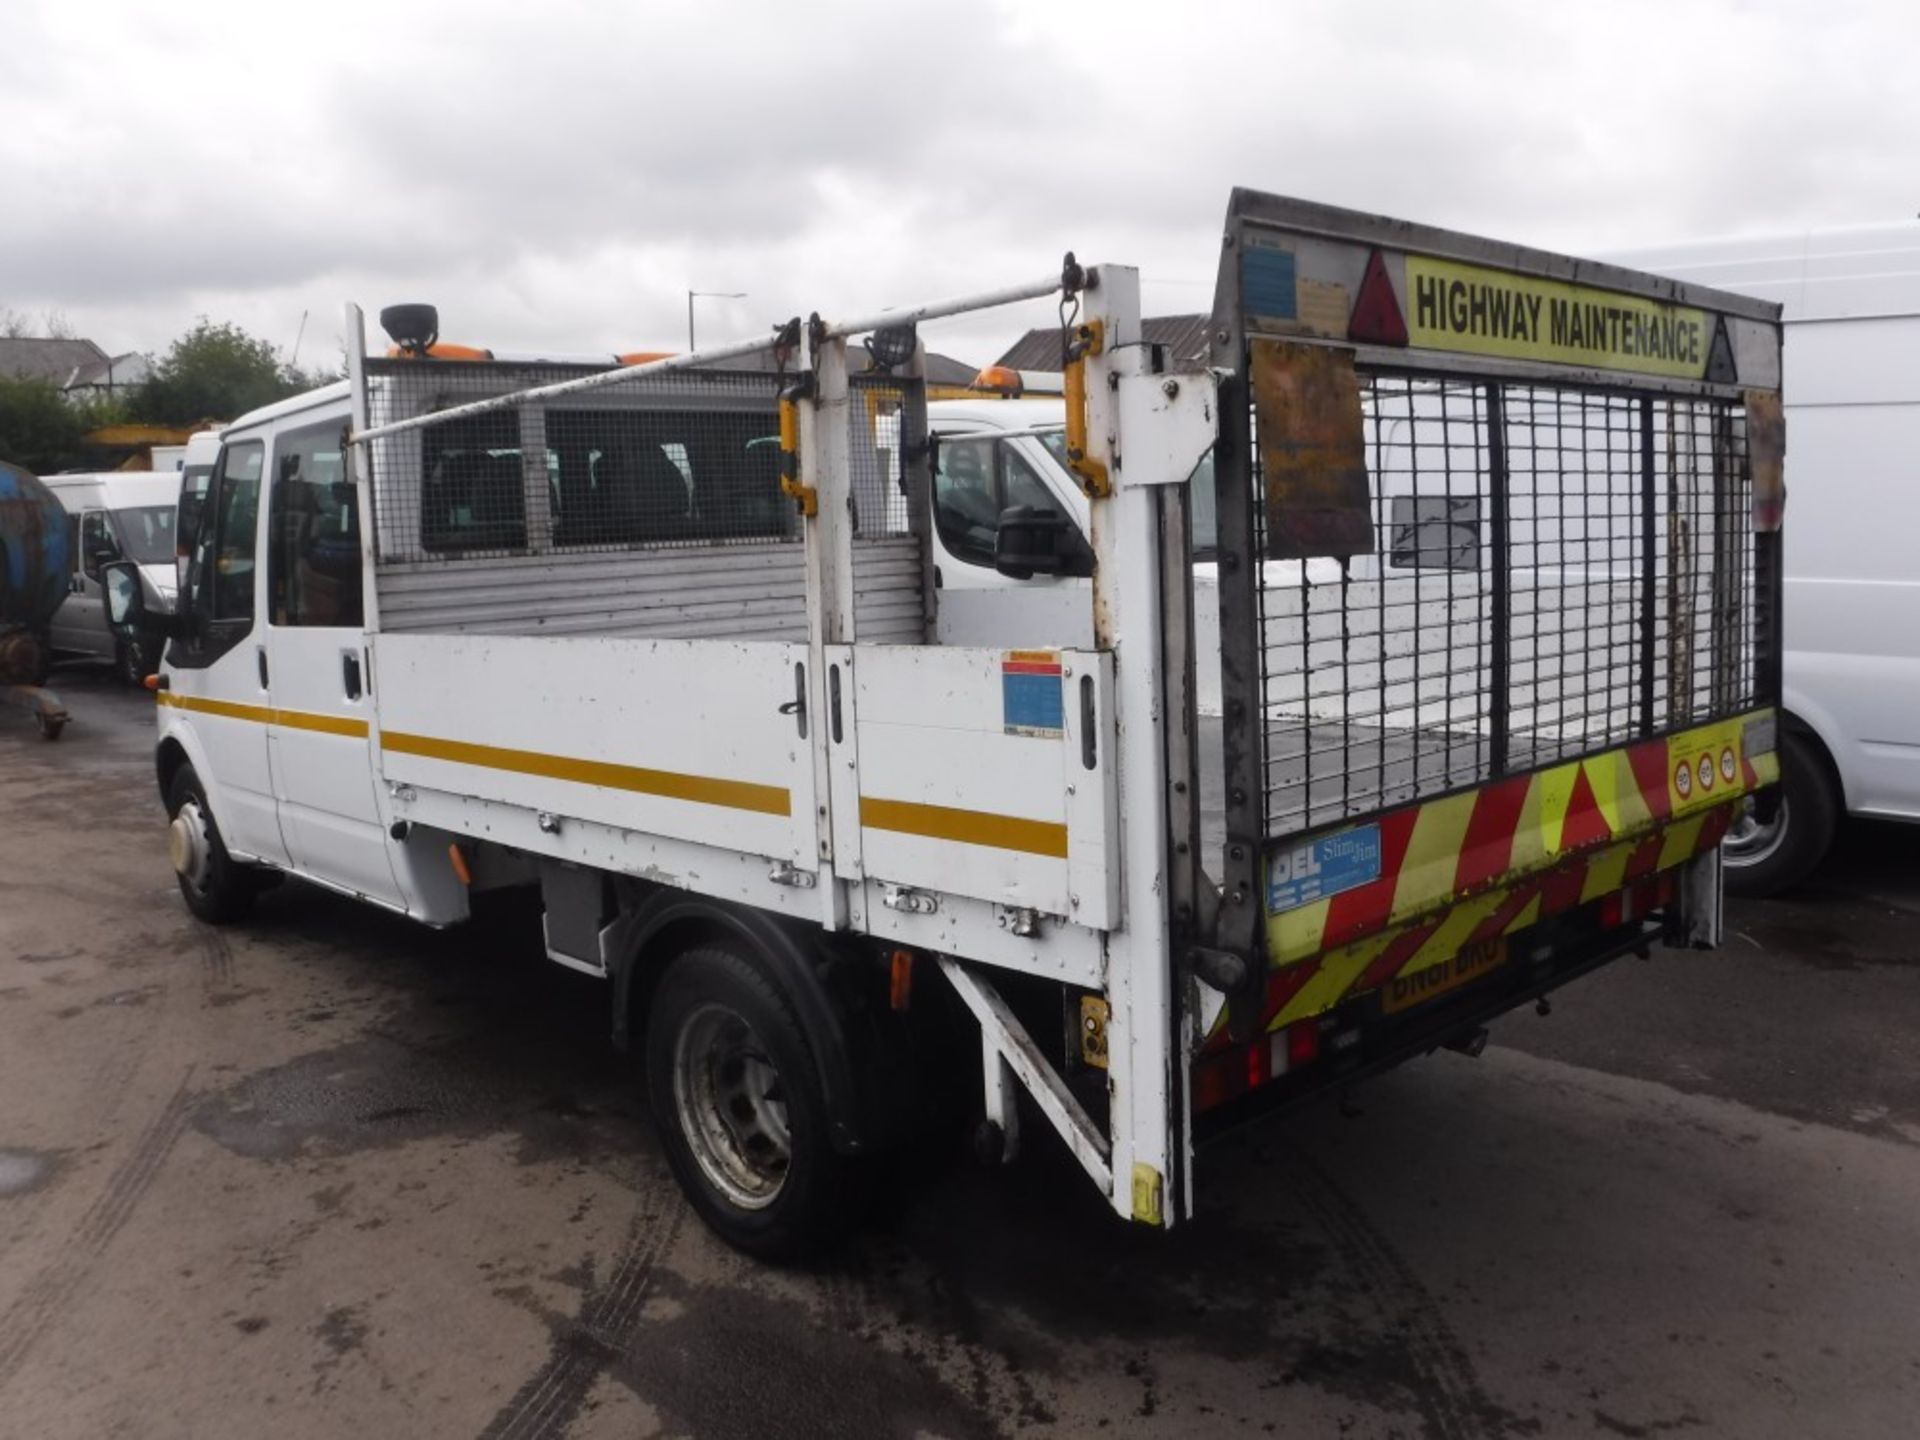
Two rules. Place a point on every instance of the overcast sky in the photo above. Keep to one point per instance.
(558, 174)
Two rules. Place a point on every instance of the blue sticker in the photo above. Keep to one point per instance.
(1267, 283)
(1030, 698)
(1318, 868)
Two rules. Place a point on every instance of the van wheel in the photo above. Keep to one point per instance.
(736, 1094)
(133, 660)
(217, 888)
(1766, 859)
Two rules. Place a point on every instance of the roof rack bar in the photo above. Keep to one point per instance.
(689, 361)
(959, 305)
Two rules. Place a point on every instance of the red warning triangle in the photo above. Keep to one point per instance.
(1584, 825)
(1376, 318)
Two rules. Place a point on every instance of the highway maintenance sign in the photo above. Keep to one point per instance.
(1452, 305)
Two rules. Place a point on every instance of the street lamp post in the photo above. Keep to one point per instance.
(692, 295)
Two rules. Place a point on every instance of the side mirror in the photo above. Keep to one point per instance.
(126, 601)
(1033, 542)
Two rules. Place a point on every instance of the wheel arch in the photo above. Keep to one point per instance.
(1809, 722)
(819, 976)
(168, 758)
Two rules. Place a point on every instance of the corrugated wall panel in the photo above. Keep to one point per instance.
(723, 592)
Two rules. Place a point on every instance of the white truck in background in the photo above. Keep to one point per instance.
(1850, 300)
(115, 515)
(848, 833)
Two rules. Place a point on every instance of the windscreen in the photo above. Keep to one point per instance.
(146, 533)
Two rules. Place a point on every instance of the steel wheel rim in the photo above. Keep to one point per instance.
(1749, 842)
(190, 845)
(732, 1107)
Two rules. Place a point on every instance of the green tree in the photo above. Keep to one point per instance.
(213, 372)
(39, 430)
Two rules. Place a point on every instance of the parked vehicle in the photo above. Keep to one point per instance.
(1851, 303)
(33, 583)
(116, 515)
(765, 729)
(196, 470)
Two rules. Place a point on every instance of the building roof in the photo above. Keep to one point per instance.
(132, 368)
(54, 360)
(1184, 335)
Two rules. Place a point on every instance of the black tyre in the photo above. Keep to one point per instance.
(736, 1093)
(217, 888)
(133, 659)
(1766, 859)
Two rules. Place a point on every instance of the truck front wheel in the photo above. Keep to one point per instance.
(216, 887)
(736, 1093)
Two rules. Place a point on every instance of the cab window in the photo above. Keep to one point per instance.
(97, 544)
(977, 479)
(313, 530)
(229, 543)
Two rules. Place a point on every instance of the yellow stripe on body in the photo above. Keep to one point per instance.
(1606, 872)
(1617, 789)
(1529, 915)
(1680, 841)
(1452, 932)
(1338, 970)
(1555, 788)
(636, 779)
(348, 725)
(1298, 933)
(1433, 855)
(969, 827)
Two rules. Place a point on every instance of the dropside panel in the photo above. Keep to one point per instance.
(987, 774)
(682, 739)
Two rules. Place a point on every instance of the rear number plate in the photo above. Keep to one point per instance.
(1416, 987)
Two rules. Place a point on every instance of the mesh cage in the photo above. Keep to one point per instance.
(679, 460)
(881, 420)
(1557, 570)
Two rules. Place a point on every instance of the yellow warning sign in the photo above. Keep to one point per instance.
(1460, 307)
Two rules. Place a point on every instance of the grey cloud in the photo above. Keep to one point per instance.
(558, 175)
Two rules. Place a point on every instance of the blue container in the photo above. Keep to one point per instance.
(34, 558)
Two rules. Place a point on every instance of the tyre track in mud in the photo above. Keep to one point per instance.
(40, 1303)
(548, 1403)
(216, 960)
(1447, 1392)
(139, 1029)
(948, 1346)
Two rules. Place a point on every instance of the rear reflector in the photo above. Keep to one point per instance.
(1376, 318)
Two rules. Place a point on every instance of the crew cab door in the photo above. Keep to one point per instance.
(217, 678)
(978, 478)
(318, 667)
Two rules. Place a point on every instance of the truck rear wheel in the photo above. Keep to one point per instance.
(736, 1093)
(216, 887)
(1764, 859)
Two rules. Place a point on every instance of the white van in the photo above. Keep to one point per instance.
(1852, 585)
(196, 470)
(115, 515)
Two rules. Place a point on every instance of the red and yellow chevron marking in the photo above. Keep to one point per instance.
(1492, 861)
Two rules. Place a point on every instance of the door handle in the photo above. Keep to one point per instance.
(350, 673)
(260, 658)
